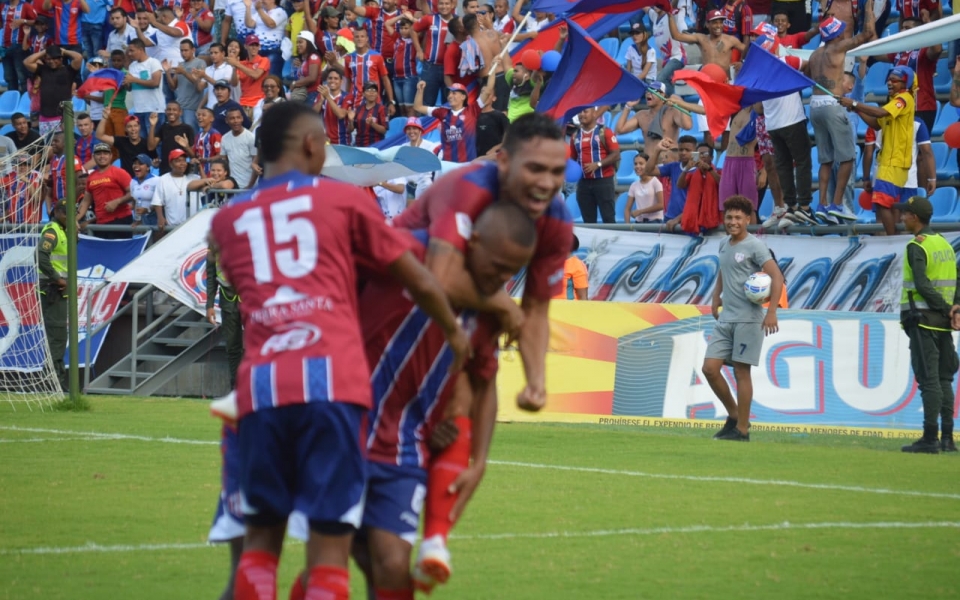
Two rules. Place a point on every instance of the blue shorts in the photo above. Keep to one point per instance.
(311, 455)
(907, 193)
(228, 519)
(394, 499)
(405, 90)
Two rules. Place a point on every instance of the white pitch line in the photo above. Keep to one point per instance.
(747, 528)
(36, 440)
(92, 435)
(744, 480)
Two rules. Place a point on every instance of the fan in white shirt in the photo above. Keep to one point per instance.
(170, 198)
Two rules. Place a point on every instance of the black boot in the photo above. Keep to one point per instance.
(928, 444)
(946, 441)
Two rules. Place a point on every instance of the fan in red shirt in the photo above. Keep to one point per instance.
(789, 40)
(108, 189)
(292, 249)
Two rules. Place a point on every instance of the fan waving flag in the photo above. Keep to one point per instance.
(598, 6)
(762, 77)
(596, 25)
(100, 81)
(587, 76)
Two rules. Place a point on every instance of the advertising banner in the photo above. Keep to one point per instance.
(639, 364)
(176, 264)
(823, 273)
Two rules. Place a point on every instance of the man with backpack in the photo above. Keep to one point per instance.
(595, 148)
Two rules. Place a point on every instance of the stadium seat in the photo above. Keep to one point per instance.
(6, 129)
(947, 117)
(946, 160)
(865, 217)
(625, 174)
(574, 208)
(875, 83)
(622, 52)
(815, 200)
(24, 105)
(891, 29)
(806, 111)
(766, 206)
(942, 78)
(9, 101)
(815, 164)
(944, 202)
(396, 125)
(610, 45)
(621, 205)
(79, 105)
(719, 159)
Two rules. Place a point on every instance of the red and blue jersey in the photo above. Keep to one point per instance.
(458, 132)
(380, 38)
(367, 135)
(590, 147)
(454, 202)
(329, 42)
(363, 69)
(199, 36)
(338, 130)
(910, 9)
(23, 204)
(13, 36)
(292, 249)
(410, 359)
(39, 43)
(435, 39)
(404, 59)
(57, 175)
(84, 148)
(66, 22)
(207, 145)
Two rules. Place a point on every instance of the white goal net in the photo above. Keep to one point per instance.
(27, 373)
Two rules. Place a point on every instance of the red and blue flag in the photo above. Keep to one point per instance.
(587, 76)
(100, 81)
(762, 77)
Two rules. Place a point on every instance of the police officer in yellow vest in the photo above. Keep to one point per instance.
(52, 267)
(231, 327)
(927, 304)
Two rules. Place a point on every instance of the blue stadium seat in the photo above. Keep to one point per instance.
(946, 160)
(719, 159)
(24, 105)
(942, 78)
(610, 45)
(875, 83)
(622, 52)
(79, 105)
(6, 129)
(815, 200)
(574, 208)
(891, 29)
(9, 101)
(947, 117)
(806, 111)
(944, 202)
(865, 217)
(628, 139)
(621, 205)
(766, 206)
(694, 131)
(815, 164)
(625, 174)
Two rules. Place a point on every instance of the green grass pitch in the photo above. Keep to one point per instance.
(116, 503)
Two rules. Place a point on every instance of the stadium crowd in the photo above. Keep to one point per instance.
(183, 127)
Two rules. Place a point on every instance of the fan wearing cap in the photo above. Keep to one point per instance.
(657, 121)
(414, 132)
(269, 22)
(895, 122)
(831, 127)
(170, 199)
(929, 312)
(142, 186)
(459, 122)
(717, 47)
(21, 189)
(641, 59)
(250, 72)
(108, 191)
(224, 104)
(364, 67)
(369, 118)
(127, 146)
(327, 27)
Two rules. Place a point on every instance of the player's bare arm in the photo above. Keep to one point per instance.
(770, 325)
(716, 302)
(534, 340)
(429, 295)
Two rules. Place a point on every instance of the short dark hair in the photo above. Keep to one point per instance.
(507, 220)
(138, 43)
(234, 109)
(276, 126)
(575, 244)
(705, 145)
(17, 115)
(217, 45)
(469, 21)
(199, 108)
(121, 11)
(188, 42)
(528, 127)
(222, 161)
(642, 155)
(117, 53)
(82, 115)
(740, 203)
(687, 139)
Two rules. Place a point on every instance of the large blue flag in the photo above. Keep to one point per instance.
(587, 76)
(597, 6)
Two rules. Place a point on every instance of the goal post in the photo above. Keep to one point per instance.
(73, 322)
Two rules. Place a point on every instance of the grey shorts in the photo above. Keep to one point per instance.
(736, 342)
(831, 131)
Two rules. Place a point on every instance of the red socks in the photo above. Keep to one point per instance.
(256, 576)
(394, 594)
(328, 583)
(444, 469)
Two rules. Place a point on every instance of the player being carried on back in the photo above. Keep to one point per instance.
(529, 172)
(292, 248)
